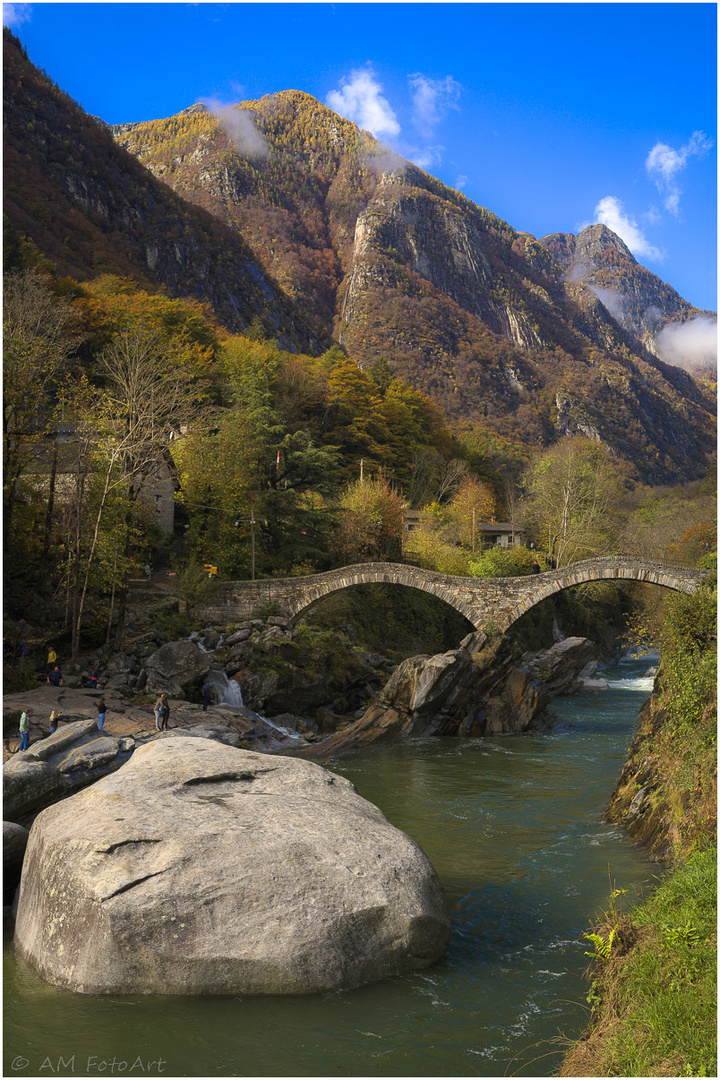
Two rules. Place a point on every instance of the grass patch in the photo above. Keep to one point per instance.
(655, 1005)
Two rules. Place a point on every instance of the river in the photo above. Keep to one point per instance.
(513, 826)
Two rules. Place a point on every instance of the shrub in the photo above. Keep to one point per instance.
(502, 562)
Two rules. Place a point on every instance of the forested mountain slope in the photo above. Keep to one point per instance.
(92, 209)
(282, 210)
(400, 267)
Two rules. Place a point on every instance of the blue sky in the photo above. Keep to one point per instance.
(551, 115)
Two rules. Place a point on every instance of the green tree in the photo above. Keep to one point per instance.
(574, 496)
(40, 334)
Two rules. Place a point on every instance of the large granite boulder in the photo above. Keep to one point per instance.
(75, 756)
(202, 869)
(176, 668)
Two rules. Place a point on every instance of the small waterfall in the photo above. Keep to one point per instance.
(195, 636)
(286, 733)
(227, 690)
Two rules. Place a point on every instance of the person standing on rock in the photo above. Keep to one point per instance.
(207, 694)
(52, 657)
(55, 677)
(54, 720)
(93, 679)
(101, 710)
(24, 730)
(164, 712)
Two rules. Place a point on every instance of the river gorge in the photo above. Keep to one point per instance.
(514, 827)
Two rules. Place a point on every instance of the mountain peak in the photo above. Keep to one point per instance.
(597, 238)
(590, 243)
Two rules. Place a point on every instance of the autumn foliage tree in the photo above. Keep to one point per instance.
(473, 502)
(371, 521)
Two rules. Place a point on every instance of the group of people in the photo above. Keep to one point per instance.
(54, 678)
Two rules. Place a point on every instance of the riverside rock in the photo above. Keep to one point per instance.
(486, 687)
(175, 668)
(15, 839)
(75, 756)
(201, 869)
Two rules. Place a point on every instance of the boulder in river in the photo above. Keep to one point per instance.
(201, 869)
(486, 687)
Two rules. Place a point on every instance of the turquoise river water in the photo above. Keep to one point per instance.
(514, 827)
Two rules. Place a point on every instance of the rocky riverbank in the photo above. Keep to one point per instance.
(482, 688)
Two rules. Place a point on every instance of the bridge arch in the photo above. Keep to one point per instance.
(666, 575)
(413, 577)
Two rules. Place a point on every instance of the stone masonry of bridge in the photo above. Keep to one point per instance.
(488, 603)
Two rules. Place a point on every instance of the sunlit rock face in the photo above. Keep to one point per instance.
(202, 869)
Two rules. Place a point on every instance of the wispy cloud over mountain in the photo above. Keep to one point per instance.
(611, 212)
(16, 14)
(663, 164)
(691, 344)
(360, 99)
(428, 156)
(240, 128)
(431, 99)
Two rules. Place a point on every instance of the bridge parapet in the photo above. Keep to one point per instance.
(483, 601)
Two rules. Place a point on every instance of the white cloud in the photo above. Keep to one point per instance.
(663, 164)
(691, 344)
(382, 159)
(431, 98)
(429, 156)
(461, 181)
(239, 126)
(612, 300)
(610, 211)
(360, 99)
(16, 14)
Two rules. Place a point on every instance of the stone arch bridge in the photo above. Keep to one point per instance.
(488, 603)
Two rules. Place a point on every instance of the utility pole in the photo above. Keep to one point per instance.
(473, 531)
(252, 537)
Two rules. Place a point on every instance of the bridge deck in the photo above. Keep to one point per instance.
(483, 601)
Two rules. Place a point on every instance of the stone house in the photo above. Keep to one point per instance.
(489, 533)
(56, 468)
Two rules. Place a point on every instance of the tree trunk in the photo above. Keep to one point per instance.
(50, 506)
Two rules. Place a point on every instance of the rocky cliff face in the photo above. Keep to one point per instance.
(636, 298)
